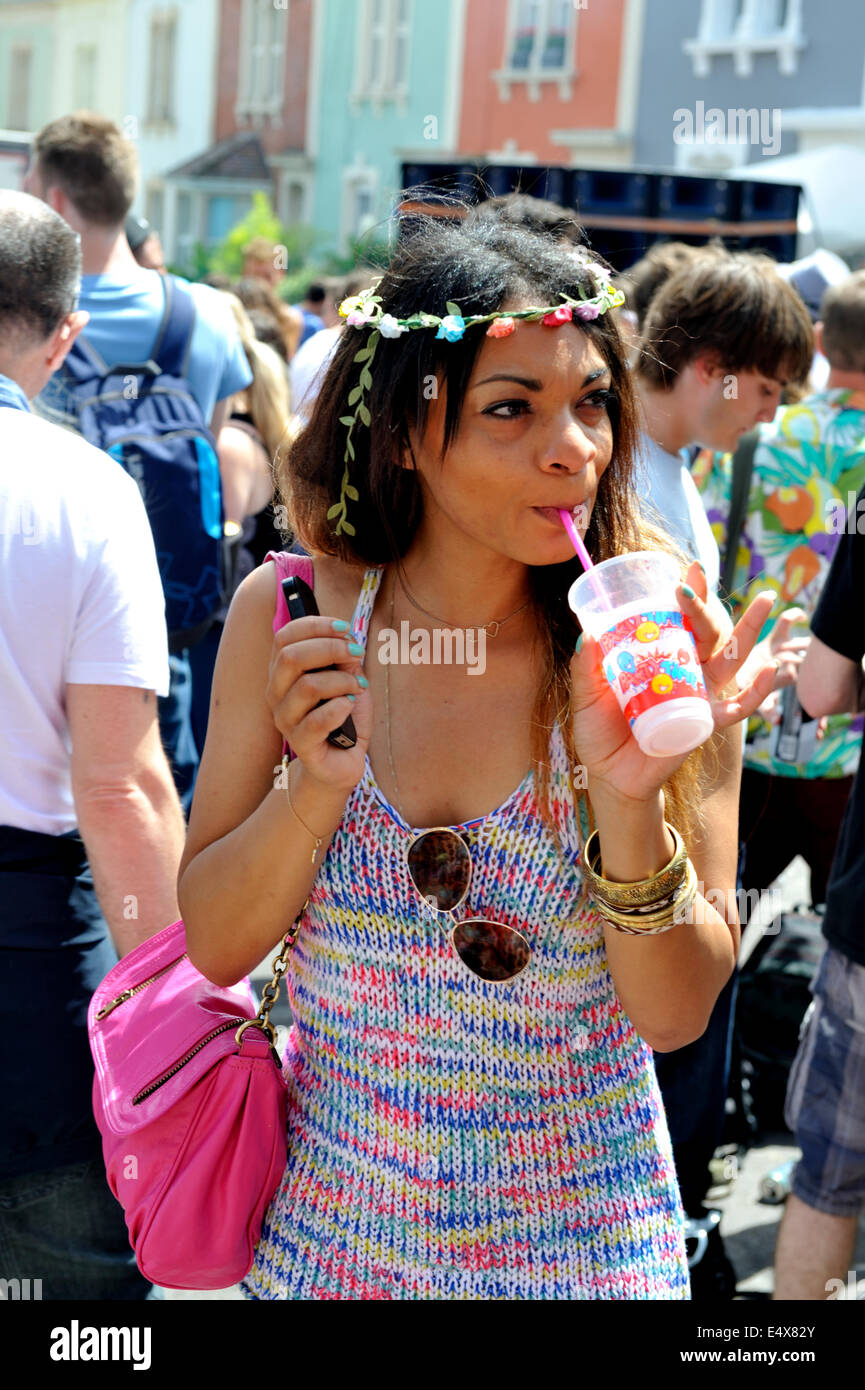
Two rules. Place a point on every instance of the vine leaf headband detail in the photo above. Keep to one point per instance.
(363, 311)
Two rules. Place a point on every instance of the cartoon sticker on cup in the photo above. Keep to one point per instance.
(629, 605)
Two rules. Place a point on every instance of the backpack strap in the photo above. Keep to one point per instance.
(83, 363)
(742, 471)
(171, 349)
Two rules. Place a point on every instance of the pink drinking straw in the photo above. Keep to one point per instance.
(576, 539)
(582, 554)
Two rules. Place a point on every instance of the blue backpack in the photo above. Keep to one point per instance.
(145, 417)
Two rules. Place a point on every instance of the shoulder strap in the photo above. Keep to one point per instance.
(743, 471)
(287, 563)
(83, 363)
(170, 350)
(175, 331)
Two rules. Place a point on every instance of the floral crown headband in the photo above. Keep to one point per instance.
(365, 311)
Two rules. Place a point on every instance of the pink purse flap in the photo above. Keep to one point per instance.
(180, 1025)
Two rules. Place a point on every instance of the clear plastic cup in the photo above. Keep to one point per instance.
(628, 604)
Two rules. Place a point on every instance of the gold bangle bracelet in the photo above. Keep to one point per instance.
(319, 839)
(644, 892)
(653, 924)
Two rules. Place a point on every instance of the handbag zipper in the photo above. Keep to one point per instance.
(128, 993)
(167, 1075)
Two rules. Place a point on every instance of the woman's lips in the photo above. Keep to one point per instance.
(552, 514)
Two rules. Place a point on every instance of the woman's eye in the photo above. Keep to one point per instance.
(599, 400)
(507, 410)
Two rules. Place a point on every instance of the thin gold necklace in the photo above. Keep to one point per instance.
(494, 623)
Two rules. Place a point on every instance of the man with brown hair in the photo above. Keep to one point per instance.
(86, 171)
(641, 281)
(721, 339)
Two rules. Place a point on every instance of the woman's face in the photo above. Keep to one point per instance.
(534, 435)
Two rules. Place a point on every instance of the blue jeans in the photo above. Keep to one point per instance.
(65, 1229)
(175, 727)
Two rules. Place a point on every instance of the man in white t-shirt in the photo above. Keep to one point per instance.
(91, 828)
(84, 168)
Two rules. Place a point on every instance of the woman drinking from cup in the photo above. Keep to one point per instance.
(473, 1106)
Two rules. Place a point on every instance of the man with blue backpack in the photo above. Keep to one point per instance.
(147, 382)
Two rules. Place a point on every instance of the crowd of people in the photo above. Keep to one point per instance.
(454, 1132)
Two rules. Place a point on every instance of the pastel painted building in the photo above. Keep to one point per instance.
(27, 45)
(550, 81)
(801, 59)
(255, 137)
(388, 89)
(169, 98)
(148, 65)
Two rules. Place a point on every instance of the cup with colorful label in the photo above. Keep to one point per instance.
(628, 605)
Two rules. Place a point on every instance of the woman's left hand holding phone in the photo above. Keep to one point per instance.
(299, 680)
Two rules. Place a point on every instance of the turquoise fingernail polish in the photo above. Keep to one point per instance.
(688, 591)
(339, 625)
(579, 645)
(362, 682)
(352, 698)
(355, 648)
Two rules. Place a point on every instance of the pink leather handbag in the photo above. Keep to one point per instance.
(190, 1099)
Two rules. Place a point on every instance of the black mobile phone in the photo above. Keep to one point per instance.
(301, 604)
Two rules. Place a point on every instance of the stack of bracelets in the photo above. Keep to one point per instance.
(649, 906)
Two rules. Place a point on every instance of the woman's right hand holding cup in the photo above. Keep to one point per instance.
(299, 680)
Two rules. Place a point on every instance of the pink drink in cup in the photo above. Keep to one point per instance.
(628, 604)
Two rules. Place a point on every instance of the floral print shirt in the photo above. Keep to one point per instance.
(808, 467)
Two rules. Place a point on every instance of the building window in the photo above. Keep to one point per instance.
(262, 49)
(540, 36)
(539, 46)
(295, 200)
(360, 195)
(383, 49)
(84, 86)
(18, 103)
(743, 28)
(160, 88)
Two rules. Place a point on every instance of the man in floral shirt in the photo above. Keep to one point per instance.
(808, 465)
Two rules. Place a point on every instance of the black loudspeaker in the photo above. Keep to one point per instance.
(686, 196)
(554, 184)
(615, 191)
(770, 202)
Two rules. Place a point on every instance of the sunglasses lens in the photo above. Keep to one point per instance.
(491, 950)
(440, 868)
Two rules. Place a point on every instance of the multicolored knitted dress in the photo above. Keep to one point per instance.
(450, 1138)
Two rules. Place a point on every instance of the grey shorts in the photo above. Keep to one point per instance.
(825, 1105)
